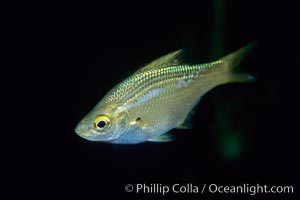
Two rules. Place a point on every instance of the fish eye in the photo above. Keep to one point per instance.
(102, 122)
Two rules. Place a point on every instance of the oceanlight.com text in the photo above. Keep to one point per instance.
(212, 188)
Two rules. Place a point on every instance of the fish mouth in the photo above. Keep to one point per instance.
(82, 133)
(88, 137)
(95, 139)
(91, 137)
(79, 131)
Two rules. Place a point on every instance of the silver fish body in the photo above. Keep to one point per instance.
(157, 98)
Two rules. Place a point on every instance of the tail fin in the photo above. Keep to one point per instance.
(233, 59)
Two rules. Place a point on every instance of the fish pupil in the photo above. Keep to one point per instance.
(138, 119)
(101, 124)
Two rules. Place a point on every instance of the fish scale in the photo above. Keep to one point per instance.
(170, 93)
(140, 81)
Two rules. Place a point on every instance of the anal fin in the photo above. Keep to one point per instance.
(187, 124)
(188, 121)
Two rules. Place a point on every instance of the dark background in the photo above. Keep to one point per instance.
(74, 53)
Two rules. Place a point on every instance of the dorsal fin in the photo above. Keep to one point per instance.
(166, 60)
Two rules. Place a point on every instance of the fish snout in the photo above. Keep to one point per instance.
(80, 130)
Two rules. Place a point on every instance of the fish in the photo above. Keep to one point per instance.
(158, 98)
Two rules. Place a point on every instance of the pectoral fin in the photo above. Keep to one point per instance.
(168, 137)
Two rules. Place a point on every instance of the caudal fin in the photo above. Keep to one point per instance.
(233, 59)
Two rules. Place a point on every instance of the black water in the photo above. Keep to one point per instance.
(76, 53)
